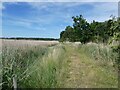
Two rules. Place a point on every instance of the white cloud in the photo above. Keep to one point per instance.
(106, 7)
(43, 5)
(27, 22)
(102, 11)
(40, 5)
(60, 0)
(2, 6)
(18, 23)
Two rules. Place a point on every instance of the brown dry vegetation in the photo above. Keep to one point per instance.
(50, 64)
(27, 42)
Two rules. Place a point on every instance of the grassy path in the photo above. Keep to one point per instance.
(86, 73)
(60, 66)
(73, 79)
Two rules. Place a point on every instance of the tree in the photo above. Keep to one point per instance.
(96, 31)
(68, 34)
(82, 29)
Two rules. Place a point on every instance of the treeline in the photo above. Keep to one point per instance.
(22, 38)
(82, 31)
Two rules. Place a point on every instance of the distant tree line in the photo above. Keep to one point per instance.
(22, 38)
(84, 32)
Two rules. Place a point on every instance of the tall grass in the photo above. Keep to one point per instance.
(33, 66)
(16, 60)
(48, 72)
(103, 54)
(46, 66)
(0, 72)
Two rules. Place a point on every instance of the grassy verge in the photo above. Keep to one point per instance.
(48, 72)
(102, 71)
(84, 71)
(16, 60)
(35, 67)
(104, 55)
(62, 65)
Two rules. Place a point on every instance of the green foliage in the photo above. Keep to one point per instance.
(101, 53)
(35, 67)
(116, 49)
(84, 32)
(68, 35)
(48, 67)
(46, 73)
(16, 61)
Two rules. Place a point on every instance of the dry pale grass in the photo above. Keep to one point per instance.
(26, 42)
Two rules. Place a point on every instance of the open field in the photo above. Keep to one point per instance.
(46, 64)
(57, 44)
(27, 42)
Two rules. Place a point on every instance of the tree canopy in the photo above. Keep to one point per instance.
(84, 32)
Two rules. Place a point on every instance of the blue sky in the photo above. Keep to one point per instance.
(48, 19)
